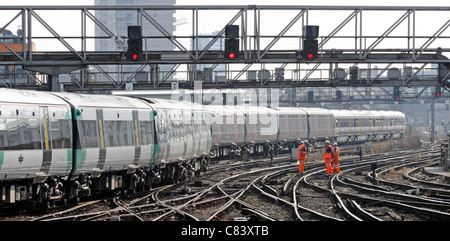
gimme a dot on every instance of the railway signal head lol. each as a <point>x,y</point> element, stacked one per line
<point>396,93</point>
<point>310,96</point>
<point>232,42</point>
<point>338,95</point>
<point>310,49</point>
<point>134,51</point>
<point>231,48</point>
<point>438,91</point>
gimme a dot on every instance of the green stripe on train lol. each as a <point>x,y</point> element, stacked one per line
<point>155,150</point>
<point>1,159</point>
<point>69,160</point>
<point>80,158</point>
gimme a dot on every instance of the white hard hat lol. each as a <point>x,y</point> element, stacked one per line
<point>306,141</point>
<point>335,144</point>
<point>327,141</point>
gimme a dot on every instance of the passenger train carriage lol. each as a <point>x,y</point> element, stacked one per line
<point>227,130</point>
<point>183,133</point>
<point>111,134</point>
<point>58,146</point>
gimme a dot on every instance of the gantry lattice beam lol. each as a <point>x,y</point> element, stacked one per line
<point>347,35</point>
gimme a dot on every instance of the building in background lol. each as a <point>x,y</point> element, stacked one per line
<point>210,72</point>
<point>14,74</point>
<point>118,21</point>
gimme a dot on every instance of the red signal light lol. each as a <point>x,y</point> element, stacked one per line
<point>135,56</point>
<point>438,95</point>
<point>310,56</point>
<point>231,56</point>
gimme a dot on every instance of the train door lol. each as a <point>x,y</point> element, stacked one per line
<point>137,147</point>
<point>46,143</point>
<point>102,147</point>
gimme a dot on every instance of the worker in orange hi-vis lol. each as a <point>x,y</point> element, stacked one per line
<point>328,156</point>
<point>336,168</point>
<point>302,151</point>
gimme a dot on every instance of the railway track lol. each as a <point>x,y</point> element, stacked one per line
<point>389,200</point>
<point>390,186</point>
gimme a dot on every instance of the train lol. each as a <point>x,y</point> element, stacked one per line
<point>58,146</point>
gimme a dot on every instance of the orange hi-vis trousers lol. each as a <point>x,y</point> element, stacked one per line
<point>328,168</point>
<point>301,167</point>
<point>336,168</point>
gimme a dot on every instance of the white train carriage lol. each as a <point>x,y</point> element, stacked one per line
<point>352,125</point>
<point>293,124</point>
<point>35,142</point>
<point>399,124</point>
<point>321,124</point>
<point>182,130</point>
<point>261,124</point>
<point>391,124</point>
<point>202,140</point>
<point>114,133</point>
<point>227,125</point>
<point>360,126</point>
<point>35,135</point>
<point>261,130</point>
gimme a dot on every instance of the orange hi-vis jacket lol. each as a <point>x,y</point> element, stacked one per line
<point>336,152</point>
<point>328,153</point>
<point>327,156</point>
<point>302,149</point>
<point>302,152</point>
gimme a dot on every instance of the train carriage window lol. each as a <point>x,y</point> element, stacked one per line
<point>56,134</point>
<point>19,134</point>
<point>13,134</point>
<point>126,127</point>
<point>145,132</point>
<point>88,133</point>
<point>61,133</point>
<point>111,132</point>
<point>118,133</point>
<point>344,122</point>
<point>30,133</point>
